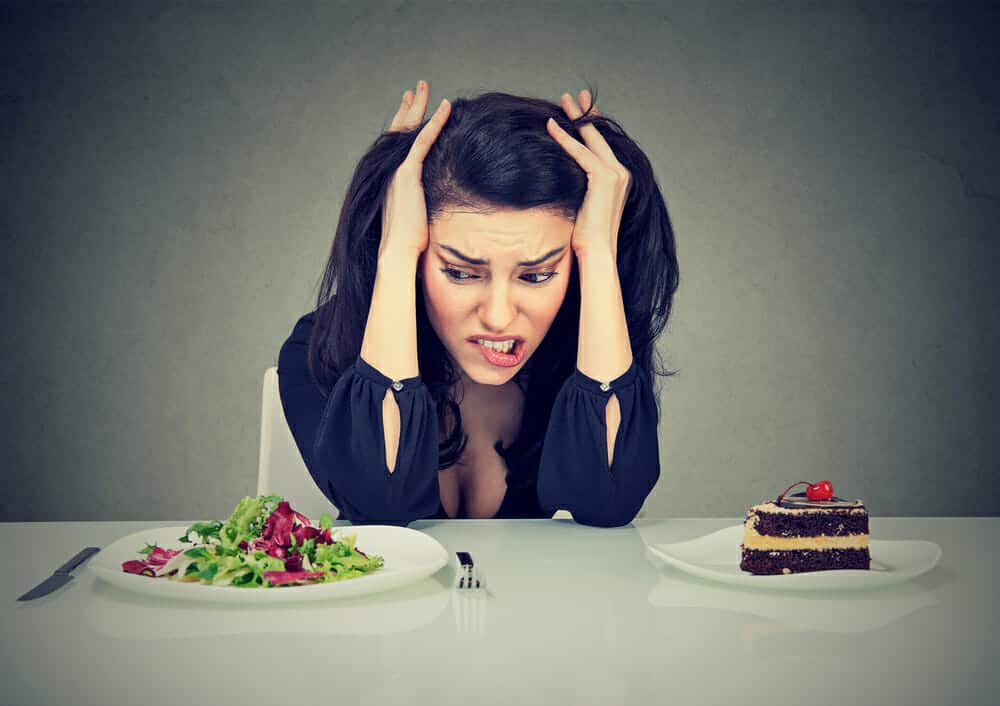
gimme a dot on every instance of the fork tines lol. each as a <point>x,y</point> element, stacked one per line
<point>469,575</point>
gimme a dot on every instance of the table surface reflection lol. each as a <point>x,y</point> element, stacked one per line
<point>575,615</point>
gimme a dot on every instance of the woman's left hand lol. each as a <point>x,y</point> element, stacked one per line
<point>608,182</point>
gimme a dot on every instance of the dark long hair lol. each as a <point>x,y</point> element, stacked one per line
<point>495,152</point>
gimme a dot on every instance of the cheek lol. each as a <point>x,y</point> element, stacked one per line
<point>443,303</point>
<point>432,289</point>
<point>543,309</point>
<point>546,307</point>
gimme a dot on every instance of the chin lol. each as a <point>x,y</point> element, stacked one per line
<point>494,377</point>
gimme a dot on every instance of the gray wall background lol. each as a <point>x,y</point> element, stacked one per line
<point>172,175</point>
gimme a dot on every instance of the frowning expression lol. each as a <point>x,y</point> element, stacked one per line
<point>492,285</point>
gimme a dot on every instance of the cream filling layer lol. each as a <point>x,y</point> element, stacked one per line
<point>753,540</point>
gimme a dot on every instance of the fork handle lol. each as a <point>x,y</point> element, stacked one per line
<point>465,559</point>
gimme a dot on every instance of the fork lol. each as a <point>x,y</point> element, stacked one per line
<point>469,604</point>
<point>469,575</point>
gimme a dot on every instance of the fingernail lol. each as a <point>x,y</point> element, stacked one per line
<point>421,85</point>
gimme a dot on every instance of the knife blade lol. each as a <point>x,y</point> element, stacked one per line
<point>60,576</point>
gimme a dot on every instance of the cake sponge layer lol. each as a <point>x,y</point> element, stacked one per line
<point>758,561</point>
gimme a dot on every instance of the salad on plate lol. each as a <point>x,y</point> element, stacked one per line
<point>263,544</point>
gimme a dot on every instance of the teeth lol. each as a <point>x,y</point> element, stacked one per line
<point>500,346</point>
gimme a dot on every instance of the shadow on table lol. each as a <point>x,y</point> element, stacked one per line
<point>817,611</point>
<point>122,614</point>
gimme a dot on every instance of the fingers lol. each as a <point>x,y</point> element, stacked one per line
<point>399,119</point>
<point>595,141</point>
<point>425,139</point>
<point>411,108</point>
<point>415,116</point>
<point>589,161</point>
<point>596,158</point>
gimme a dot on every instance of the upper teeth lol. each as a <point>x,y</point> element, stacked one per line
<point>502,346</point>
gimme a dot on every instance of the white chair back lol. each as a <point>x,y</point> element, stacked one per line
<point>281,470</point>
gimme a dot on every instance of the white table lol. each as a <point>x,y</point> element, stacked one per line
<point>578,616</point>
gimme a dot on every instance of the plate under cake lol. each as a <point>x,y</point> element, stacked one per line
<point>793,535</point>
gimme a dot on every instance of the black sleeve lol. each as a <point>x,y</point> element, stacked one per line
<point>340,435</point>
<point>573,472</point>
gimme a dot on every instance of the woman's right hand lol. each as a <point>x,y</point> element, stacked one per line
<point>404,212</point>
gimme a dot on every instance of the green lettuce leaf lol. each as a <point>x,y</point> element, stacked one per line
<point>204,530</point>
<point>248,519</point>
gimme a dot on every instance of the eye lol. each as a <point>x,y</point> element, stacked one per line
<point>458,275</point>
<point>546,275</point>
<point>534,278</point>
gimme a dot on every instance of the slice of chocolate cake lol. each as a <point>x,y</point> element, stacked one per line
<point>795,534</point>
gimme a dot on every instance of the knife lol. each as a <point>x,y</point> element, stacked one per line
<point>60,577</point>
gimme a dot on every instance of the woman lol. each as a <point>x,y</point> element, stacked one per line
<point>502,273</point>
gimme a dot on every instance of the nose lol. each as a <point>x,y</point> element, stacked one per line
<point>498,308</point>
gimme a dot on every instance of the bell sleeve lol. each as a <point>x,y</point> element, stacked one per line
<point>341,437</point>
<point>573,472</point>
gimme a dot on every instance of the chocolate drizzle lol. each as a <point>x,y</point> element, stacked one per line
<point>799,500</point>
<point>783,492</point>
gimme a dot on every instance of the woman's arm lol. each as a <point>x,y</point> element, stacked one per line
<point>600,459</point>
<point>390,341</point>
<point>340,435</point>
<point>603,351</point>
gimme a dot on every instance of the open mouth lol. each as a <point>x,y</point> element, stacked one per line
<point>501,359</point>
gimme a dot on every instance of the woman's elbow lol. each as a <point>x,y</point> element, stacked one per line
<point>619,505</point>
<point>607,516</point>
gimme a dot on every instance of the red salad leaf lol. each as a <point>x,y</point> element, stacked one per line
<point>293,562</point>
<point>135,566</point>
<point>160,556</point>
<point>280,524</point>
<point>304,532</point>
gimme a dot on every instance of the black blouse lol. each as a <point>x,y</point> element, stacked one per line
<point>340,435</point>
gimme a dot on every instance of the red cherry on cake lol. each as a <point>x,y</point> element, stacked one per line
<point>820,491</point>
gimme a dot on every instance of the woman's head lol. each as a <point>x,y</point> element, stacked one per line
<point>497,188</point>
<point>492,284</point>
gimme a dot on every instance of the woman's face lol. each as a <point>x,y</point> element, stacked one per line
<point>500,276</point>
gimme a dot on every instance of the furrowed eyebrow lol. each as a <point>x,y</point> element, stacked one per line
<point>479,261</point>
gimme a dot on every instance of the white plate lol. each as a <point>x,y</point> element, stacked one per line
<point>409,556</point>
<point>716,556</point>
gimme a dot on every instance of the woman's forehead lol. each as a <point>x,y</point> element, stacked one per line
<point>522,233</point>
